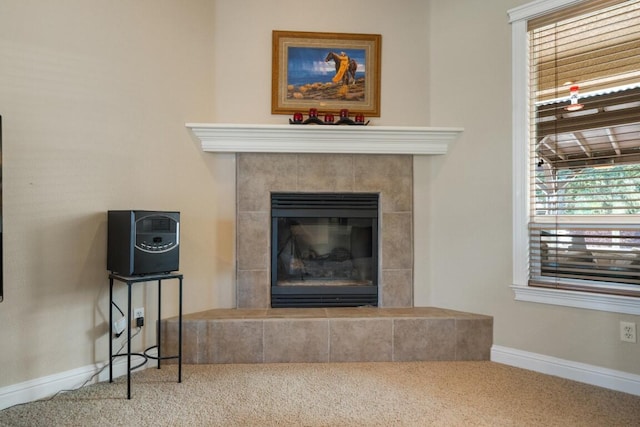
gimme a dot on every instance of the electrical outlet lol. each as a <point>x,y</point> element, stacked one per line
<point>628,331</point>
<point>138,314</point>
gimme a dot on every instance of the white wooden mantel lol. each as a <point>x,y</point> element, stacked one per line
<point>243,138</point>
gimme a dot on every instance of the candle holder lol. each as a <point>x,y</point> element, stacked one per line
<point>329,119</point>
<point>298,118</point>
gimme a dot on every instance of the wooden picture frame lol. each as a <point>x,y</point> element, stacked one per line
<point>305,74</point>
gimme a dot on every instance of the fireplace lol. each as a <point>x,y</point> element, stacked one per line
<point>324,249</point>
<point>322,158</point>
<point>260,175</point>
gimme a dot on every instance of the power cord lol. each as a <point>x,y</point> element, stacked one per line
<point>116,306</point>
<point>47,399</point>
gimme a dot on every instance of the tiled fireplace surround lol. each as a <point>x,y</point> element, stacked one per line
<point>394,331</point>
<point>258,174</point>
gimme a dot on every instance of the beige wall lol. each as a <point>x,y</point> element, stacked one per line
<point>242,52</point>
<point>470,235</point>
<point>94,96</point>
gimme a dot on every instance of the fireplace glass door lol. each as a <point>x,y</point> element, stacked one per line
<point>324,250</point>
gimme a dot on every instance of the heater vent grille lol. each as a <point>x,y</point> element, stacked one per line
<point>364,203</point>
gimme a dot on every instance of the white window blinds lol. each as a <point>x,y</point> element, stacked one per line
<point>584,178</point>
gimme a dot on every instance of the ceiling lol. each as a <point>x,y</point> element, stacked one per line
<point>605,131</point>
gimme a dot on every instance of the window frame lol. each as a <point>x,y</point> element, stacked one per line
<point>518,18</point>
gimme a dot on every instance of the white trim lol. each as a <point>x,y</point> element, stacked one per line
<point>47,386</point>
<point>618,221</point>
<point>576,371</point>
<point>577,299</point>
<point>248,138</point>
<point>520,152</point>
<point>520,165</point>
<point>537,8</point>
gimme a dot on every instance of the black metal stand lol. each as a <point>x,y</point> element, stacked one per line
<point>130,281</point>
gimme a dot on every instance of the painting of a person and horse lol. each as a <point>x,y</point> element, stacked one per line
<point>316,73</point>
<point>331,72</point>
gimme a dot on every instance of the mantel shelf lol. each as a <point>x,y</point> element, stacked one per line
<point>242,138</point>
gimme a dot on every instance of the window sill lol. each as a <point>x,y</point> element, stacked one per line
<point>591,301</point>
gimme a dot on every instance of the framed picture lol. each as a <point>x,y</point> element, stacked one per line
<point>326,71</point>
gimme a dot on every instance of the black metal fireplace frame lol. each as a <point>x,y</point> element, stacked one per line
<point>318,205</point>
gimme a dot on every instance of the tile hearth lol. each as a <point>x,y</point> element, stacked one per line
<point>363,334</point>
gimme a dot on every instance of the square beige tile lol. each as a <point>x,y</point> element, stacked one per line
<point>424,339</point>
<point>397,241</point>
<point>391,175</point>
<point>191,339</point>
<point>253,231</point>
<point>234,341</point>
<point>325,173</point>
<point>192,332</point>
<point>296,313</point>
<point>258,174</point>
<point>354,312</point>
<point>396,288</point>
<point>474,338</point>
<point>296,340</point>
<point>227,313</point>
<point>169,338</point>
<point>360,340</point>
<point>253,288</point>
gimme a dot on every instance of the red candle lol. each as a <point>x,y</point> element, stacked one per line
<point>297,117</point>
<point>313,112</point>
<point>344,113</point>
<point>359,118</point>
<point>328,118</point>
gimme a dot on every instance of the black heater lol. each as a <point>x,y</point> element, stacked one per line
<point>324,249</point>
<point>143,242</point>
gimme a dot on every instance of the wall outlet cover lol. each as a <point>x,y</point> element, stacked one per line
<point>628,332</point>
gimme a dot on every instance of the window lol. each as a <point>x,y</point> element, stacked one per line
<point>576,159</point>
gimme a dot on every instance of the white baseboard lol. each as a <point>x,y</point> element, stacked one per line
<point>584,373</point>
<point>44,387</point>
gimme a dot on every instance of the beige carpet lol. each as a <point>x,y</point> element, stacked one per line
<point>335,394</point>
